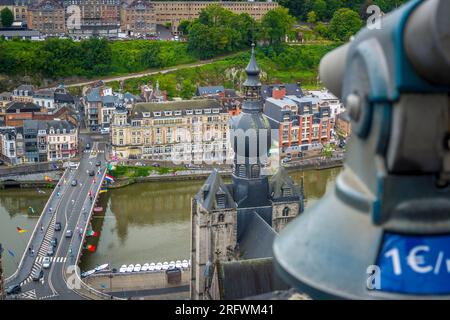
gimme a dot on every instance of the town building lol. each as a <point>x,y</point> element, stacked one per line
<point>138,18</point>
<point>23,93</point>
<point>278,91</point>
<point>11,145</point>
<point>300,123</point>
<point>234,225</point>
<point>193,129</point>
<point>5,99</point>
<point>97,18</point>
<point>325,96</point>
<point>17,112</point>
<point>343,125</point>
<point>20,10</point>
<point>44,98</point>
<point>48,17</point>
<point>173,12</point>
<point>49,140</point>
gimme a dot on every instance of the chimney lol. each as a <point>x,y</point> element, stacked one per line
<point>278,93</point>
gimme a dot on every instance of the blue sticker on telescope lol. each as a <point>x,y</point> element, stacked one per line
<point>414,265</point>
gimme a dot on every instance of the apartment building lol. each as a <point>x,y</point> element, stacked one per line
<point>48,17</point>
<point>302,123</point>
<point>11,145</point>
<point>23,93</point>
<point>138,18</point>
<point>173,12</point>
<point>186,130</point>
<point>49,140</point>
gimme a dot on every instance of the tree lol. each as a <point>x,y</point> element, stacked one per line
<point>320,8</point>
<point>312,17</point>
<point>276,25</point>
<point>183,27</point>
<point>187,90</point>
<point>344,24</point>
<point>6,17</point>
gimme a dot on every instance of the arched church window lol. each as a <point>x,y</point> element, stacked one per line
<point>221,217</point>
<point>255,171</point>
<point>286,211</point>
<point>242,171</point>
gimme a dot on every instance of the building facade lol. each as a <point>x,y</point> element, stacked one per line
<point>173,12</point>
<point>302,123</point>
<point>138,18</point>
<point>11,145</point>
<point>23,93</point>
<point>48,17</point>
<point>194,129</point>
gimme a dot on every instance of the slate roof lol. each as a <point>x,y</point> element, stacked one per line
<point>45,93</point>
<point>244,278</point>
<point>201,91</point>
<point>94,95</point>
<point>257,238</point>
<point>48,124</point>
<point>64,98</point>
<point>282,181</point>
<point>22,107</point>
<point>175,105</point>
<point>252,70</point>
<point>292,89</point>
<point>213,186</point>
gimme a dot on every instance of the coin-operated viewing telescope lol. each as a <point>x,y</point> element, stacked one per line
<point>384,231</point>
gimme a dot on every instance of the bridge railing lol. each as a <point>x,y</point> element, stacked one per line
<point>38,223</point>
<point>91,292</point>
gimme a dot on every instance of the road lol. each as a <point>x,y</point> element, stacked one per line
<point>70,208</point>
<point>150,72</point>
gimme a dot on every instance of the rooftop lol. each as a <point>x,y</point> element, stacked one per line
<point>177,105</point>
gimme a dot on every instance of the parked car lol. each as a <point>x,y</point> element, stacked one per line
<point>123,268</point>
<point>69,234</point>
<point>46,263</point>
<point>2,162</point>
<point>38,274</point>
<point>130,268</point>
<point>92,173</point>
<point>58,226</point>
<point>155,164</point>
<point>15,289</point>
<point>74,183</point>
<point>137,268</point>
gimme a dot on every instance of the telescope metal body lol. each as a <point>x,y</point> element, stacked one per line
<point>383,232</point>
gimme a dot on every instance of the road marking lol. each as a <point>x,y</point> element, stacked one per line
<point>31,294</point>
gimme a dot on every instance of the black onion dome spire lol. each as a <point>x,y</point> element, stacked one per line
<point>252,70</point>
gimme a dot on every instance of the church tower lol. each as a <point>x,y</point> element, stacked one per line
<point>251,140</point>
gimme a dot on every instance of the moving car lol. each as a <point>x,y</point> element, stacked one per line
<point>92,173</point>
<point>38,274</point>
<point>15,289</point>
<point>54,242</point>
<point>50,252</point>
<point>98,163</point>
<point>88,146</point>
<point>69,234</point>
<point>58,226</point>
<point>74,183</point>
<point>46,263</point>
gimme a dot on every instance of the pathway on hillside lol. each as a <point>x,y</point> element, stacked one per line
<point>151,72</point>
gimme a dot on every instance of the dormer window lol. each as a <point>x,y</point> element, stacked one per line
<point>198,111</point>
<point>167,113</point>
<point>157,114</point>
<point>216,110</point>
<point>207,111</point>
<point>177,113</point>
<point>189,112</point>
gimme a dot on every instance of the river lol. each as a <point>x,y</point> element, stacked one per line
<point>148,222</point>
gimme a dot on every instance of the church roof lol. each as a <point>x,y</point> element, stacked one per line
<point>256,240</point>
<point>211,189</point>
<point>282,187</point>
<point>246,278</point>
<point>252,71</point>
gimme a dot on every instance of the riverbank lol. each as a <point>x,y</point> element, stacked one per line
<point>186,175</point>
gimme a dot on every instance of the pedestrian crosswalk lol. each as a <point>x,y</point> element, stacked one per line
<point>92,151</point>
<point>48,297</point>
<point>52,259</point>
<point>31,294</point>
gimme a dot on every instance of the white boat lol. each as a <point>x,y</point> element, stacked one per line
<point>123,268</point>
<point>172,264</point>
<point>158,266</point>
<point>185,264</point>
<point>165,265</point>
<point>137,268</point>
<point>130,268</point>
<point>102,267</point>
<point>178,264</point>
<point>151,267</point>
<point>145,267</point>
<point>87,273</point>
